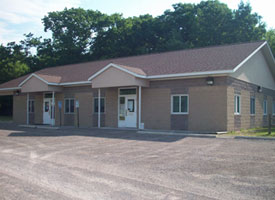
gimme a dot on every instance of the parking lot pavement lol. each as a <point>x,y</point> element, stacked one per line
<point>115,164</point>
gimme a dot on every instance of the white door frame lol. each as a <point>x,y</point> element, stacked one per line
<point>134,96</point>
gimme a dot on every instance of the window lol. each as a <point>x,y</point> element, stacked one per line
<point>102,104</point>
<point>131,105</point>
<point>48,95</point>
<point>31,106</point>
<point>273,108</point>
<point>179,104</point>
<point>237,104</point>
<point>127,91</point>
<point>252,105</point>
<point>69,106</point>
<point>265,107</point>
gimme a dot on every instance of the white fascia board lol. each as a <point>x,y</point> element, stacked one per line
<point>248,57</point>
<point>41,79</point>
<point>115,66</point>
<point>160,76</point>
<point>208,73</point>
<point>271,54</point>
<point>14,88</point>
<point>76,83</point>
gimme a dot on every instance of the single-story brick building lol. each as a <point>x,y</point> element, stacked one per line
<point>219,88</point>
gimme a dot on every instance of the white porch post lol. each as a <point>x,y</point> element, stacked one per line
<point>98,103</point>
<point>28,98</point>
<point>139,107</point>
<point>53,109</point>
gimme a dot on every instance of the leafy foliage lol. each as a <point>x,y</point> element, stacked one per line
<point>80,35</point>
<point>270,37</point>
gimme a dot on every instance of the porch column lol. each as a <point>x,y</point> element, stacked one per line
<point>139,107</point>
<point>53,109</point>
<point>98,103</point>
<point>28,98</point>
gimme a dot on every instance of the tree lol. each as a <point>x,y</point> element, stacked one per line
<point>270,37</point>
<point>247,26</point>
<point>12,62</point>
<point>73,31</point>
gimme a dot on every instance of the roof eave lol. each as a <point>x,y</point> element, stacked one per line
<point>10,89</point>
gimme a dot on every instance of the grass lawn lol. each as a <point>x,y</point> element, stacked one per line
<point>5,118</point>
<point>256,132</point>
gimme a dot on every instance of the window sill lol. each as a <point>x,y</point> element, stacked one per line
<point>69,113</point>
<point>237,114</point>
<point>179,113</point>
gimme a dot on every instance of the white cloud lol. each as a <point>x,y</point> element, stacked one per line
<point>7,35</point>
<point>15,13</point>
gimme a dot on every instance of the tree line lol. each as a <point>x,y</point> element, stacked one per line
<point>79,35</point>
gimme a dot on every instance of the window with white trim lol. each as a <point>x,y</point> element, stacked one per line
<point>179,104</point>
<point>265,107</point>
<point>237,104</point>
<point>31,106</point>
<point>102,105</point>
<point>273,107</point>
<point>69,105</point>
<point>252,105</point>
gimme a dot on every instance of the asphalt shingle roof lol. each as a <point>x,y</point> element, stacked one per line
<point>225,57</point>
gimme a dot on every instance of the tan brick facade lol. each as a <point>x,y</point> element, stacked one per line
<point>211,108</point>
<point>155,108</point>
<point>111,103</point>
<point>245,120</point>
<point>20,109</point>
<point>207,108</point>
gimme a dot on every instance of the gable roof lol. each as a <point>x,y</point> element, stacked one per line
<point>207,61</point>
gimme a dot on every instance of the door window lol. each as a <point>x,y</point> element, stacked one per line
<point>131,105</point>
<point>47,107</point>
<point>121,108</point>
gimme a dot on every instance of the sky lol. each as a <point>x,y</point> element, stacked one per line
<point>18,17</point>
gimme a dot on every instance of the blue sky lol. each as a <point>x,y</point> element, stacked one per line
<point>23,16</point>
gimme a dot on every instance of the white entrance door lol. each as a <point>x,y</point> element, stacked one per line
<point>47,111</point>
<point>127,111</point>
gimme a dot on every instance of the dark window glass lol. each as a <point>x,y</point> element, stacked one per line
<point>127,91</point>
<point>31,106</point>
<point>237,108</point>
<point>102,105</point>
<point>48,95</point>
<point>265,107</point>
<point>67,106</point>
<point>176,104</point>
<point>252,106</point>
<point>184,104</point>
<point>72,106</point>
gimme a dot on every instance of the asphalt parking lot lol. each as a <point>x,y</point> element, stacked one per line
<point>114,164</point>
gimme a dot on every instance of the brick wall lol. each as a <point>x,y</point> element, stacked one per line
<point>247,90</point>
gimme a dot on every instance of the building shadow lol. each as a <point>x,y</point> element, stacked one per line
<point>97,133</point>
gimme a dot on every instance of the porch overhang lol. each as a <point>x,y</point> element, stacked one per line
<point>8,91</point>
<point>113,76</point>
